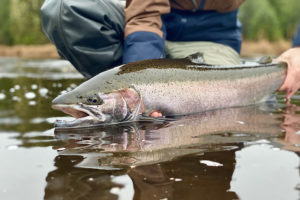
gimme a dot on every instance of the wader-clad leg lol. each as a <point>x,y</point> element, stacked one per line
<point>88,33</point>
<point>213,53</point>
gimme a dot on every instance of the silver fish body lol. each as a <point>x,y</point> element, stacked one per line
<point>171,86</point>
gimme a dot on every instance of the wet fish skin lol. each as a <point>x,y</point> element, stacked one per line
<point>177,87</point>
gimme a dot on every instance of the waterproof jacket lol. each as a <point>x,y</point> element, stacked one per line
<point>149,22</point>
<point>296,41</point>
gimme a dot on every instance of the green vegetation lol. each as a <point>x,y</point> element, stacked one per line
<point>20,22</point>
<point>267,19</point>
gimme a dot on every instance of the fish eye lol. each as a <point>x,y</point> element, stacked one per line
<point>94,100</point>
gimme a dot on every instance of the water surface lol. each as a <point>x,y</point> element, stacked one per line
<point>235,153</point>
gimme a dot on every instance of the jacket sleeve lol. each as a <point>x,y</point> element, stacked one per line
<point>296,41</point>
<point>144,38</point>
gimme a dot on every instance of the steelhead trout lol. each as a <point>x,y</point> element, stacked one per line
<point>170,86</point>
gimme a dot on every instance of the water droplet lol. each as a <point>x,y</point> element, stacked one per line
<point>15,98</point>
<point>177,179</point>
<point>73,85</point>
<point>63,92</point>
<point>171,178</point>
<point>43,92</point>
<point>2,96</point>
<point>17,87</point>
<point>211,163</point>
<point>91,179</point>
<point>32,103</point>
<point>34,86</point>
<point>240,122</point>
<point>37,120</point>
<point>30,95</point>
<point>12,90</point>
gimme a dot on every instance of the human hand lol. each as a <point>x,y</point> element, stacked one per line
<point>292,81</point>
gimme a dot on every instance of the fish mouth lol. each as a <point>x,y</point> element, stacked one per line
<point>74,110</point>
<point>85,115</point>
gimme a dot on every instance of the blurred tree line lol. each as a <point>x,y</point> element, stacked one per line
<point>270,19</point>
<point>20,22</point>
<point>262,19</point>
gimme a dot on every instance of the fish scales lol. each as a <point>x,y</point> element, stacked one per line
<point>182,91</point>
<point>191,96</point>
<point>179,86</point>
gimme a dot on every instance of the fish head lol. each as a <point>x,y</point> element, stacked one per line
<point>93,107</point>
<point>78,97</point>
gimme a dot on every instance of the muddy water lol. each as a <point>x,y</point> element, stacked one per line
<point>236,153</point>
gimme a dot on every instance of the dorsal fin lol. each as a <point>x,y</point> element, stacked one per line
<point>265,60</point>
<point>197,58</point>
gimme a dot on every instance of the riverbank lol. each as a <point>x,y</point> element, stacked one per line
<point>249,49</point>
<point>44,51</point>
<point>264,47</point>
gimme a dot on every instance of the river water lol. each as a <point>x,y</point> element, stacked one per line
<point>235,153</point>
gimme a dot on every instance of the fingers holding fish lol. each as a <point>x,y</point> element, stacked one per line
<point>292,81</point>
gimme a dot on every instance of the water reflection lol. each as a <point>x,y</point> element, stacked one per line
<point>181,178</point>
<point>247,153</point>
<point>146,143</point>
<point>163,159</point>
<point>291,125</point>
<point>27,88</point>
<point>273,174</point>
